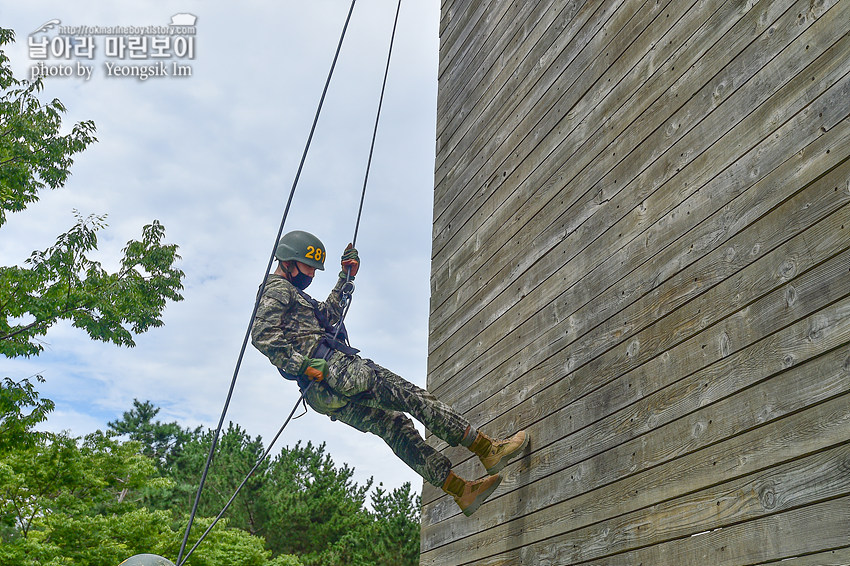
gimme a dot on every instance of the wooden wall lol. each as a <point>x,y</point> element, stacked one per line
<point>641,255</point>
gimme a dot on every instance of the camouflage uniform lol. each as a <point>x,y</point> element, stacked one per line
<point>357,391</point>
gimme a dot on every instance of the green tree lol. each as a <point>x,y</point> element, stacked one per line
<point>58,475</point>
<point>317,508</point>
<point>20,410</point>
<point>300,502</point>
<point>62,282</point>
<point>395,531</point>
<point>67,501</point>
<point>236,454</point>
<point>163,442</point>
<point>33,154</point>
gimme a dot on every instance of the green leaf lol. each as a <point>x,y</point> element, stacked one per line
<point>63,282</point>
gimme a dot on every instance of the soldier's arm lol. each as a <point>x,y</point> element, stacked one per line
<point>350,264</point>
<point>268,336</point>
<point>332,306</point>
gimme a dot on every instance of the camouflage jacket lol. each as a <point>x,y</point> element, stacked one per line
<point>286,329</point>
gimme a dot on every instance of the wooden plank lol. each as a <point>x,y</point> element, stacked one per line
<point>808,529</point>
<point>583,71</point>
<point>570,222</point>
<point>461,21</point>
<point>718,58</point>
<point>678,407</point>
<point>477,51</point>
<point>447,15</point>
<point>652,341</point>
<point>609,32</point>
<point>682,288</point>
<point>830,368</point>
<point>577,88</point>
<point>837,557</point>
<point>591,39</point>
<point>464,41</point>
<point>809,480</point>
<point>576,56</point>
<point>676,276</point>
<point>580,365</point>
<point>574,27</point>
<point>570,457</point>
<point>539,300</point>
<point>520,27</point>
<point>800,130</point>
<point>691,346</point>
<point>496,116</point>
<point>710,339</point>
<point>546,218</point>
<point>560,412</point>
<point>752,431</point>
<point>595,282</point>
<point>533,46</point>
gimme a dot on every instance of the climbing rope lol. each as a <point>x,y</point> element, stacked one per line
<point>346,293</point>
<point>262,288</point>
<point>377,119</point>
<point>348,286</point>
<point>247,477</point>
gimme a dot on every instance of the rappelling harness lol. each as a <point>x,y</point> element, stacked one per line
<point>335,338</point>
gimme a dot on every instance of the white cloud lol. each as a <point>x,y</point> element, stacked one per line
<point>213,157</point>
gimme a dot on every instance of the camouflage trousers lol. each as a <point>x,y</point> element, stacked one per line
<point>373,399</point>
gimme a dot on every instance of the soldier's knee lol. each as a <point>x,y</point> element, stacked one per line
<point>323,400</point>
<point>402,422</point>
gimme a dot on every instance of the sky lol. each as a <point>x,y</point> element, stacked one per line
<point>212,155</point>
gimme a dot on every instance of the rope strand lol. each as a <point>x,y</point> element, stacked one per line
<point>251,473</point>
<point>262,288</point>
<point>377,119</point>
<point>180,559</point>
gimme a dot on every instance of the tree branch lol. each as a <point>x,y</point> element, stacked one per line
<point>37,322</point>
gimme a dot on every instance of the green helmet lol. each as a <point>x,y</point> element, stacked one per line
<point>146,560</point>
<point>303,247</point>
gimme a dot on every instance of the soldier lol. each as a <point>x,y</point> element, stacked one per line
<point>296,333</point>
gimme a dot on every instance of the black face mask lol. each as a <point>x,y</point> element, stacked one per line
<point>301,280</point>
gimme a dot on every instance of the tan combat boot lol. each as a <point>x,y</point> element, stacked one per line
<point>469,495</point>
<point>495,454</point>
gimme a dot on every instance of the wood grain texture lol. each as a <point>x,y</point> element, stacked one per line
<point>745,257</point>
<point>641,255</point>
<point>589,452</point>
<point>563,235</point>
<point>704,341</point>
<point>817,477</point>
<point>598,462</point>
<point>837,557</point>
<point>699,64</point>
<point>579,231</point>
